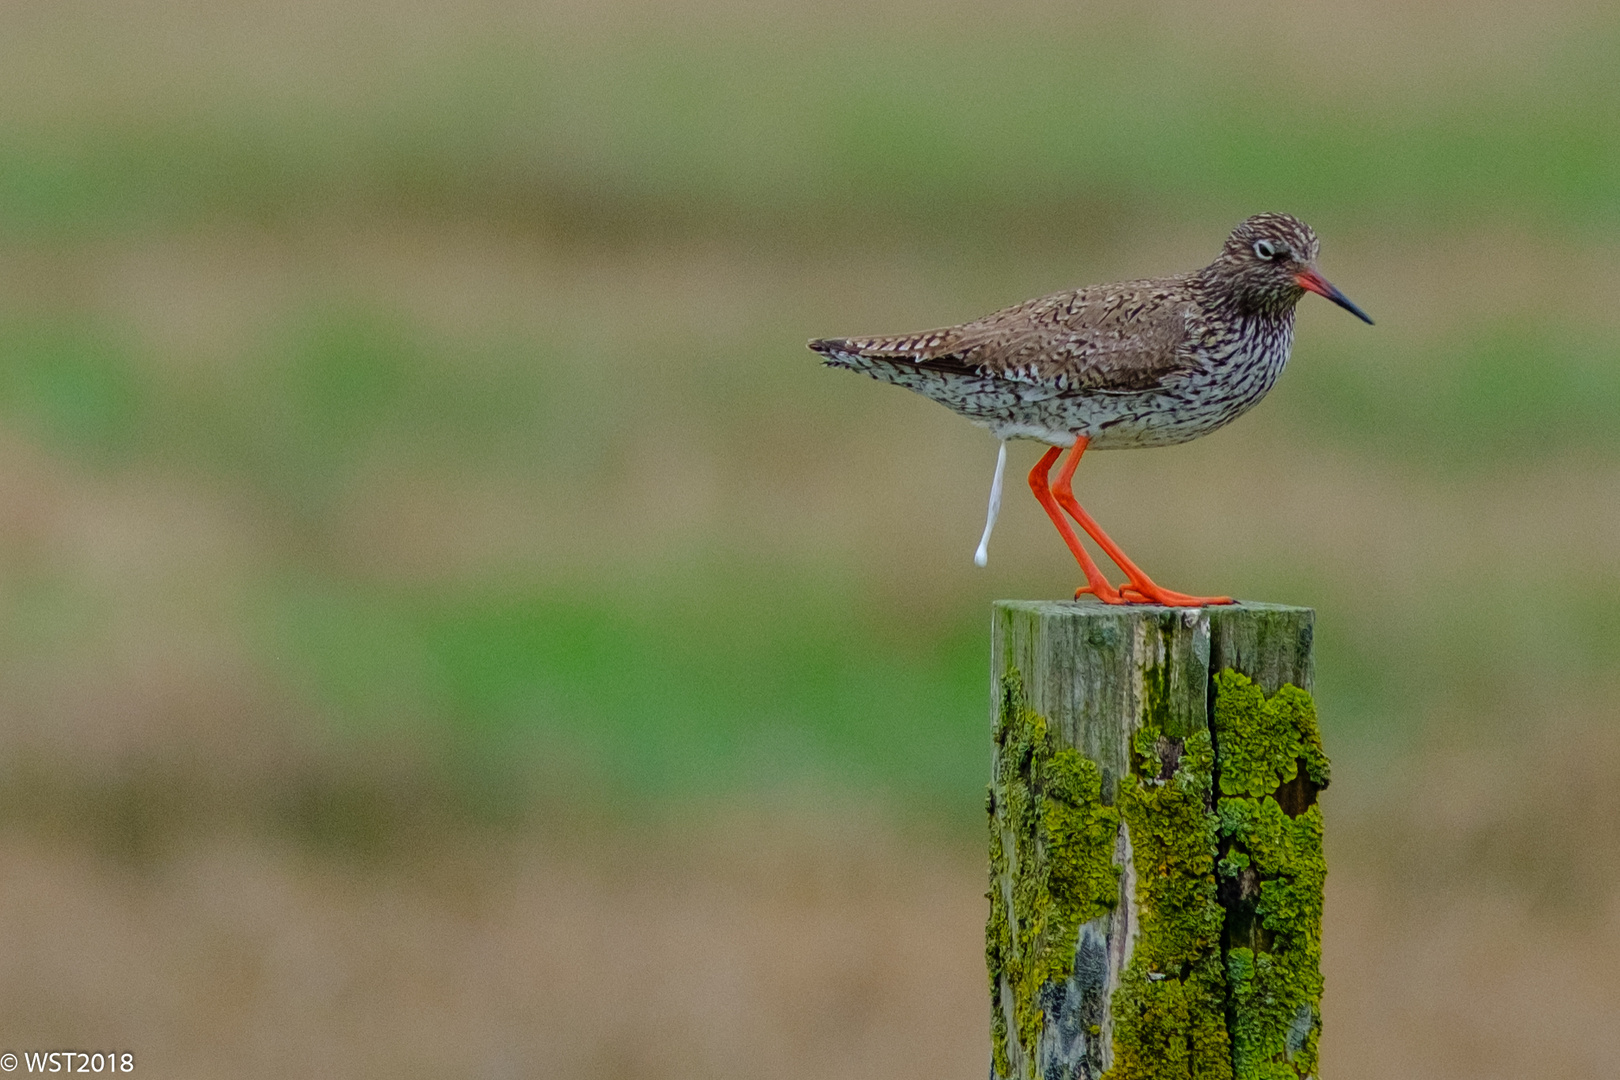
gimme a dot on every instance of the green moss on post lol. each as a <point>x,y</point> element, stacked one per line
<point>1265,744</point>
<point>1143,742</point>
<point>1272,875</point>
<point>1170,1008</point>
<point>1051,868</point>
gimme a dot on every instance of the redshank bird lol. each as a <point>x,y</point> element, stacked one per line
<point>1135,364</point>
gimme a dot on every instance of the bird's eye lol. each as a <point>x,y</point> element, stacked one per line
<point>1265,249</point>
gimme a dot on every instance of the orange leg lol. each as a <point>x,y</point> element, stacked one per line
<point>1140,589</point>
<point>1095,582</point>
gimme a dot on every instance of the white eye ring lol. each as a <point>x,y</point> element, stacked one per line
<point>1265,249</point>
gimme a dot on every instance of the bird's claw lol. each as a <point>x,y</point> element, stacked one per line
<point>1146,592</point>
<point>1106,593</point>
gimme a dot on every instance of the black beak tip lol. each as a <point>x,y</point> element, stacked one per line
<point>1345,302</point>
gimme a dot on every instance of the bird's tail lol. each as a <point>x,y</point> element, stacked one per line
<point>838,352</point>
<point>907,361</point>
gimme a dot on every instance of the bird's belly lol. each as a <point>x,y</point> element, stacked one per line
<point>1160,420</point>
<point>1205,400</point>
<point>1112,422</point>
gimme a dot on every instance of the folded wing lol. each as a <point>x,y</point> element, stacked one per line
<point>1109,339</point>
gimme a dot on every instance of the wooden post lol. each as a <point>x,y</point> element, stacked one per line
<point>1156,862</point>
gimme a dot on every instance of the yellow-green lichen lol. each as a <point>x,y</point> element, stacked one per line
<point>1223,980</point>
<point>1051,867</point>
<point>1170,1009</point>
<point>1272,871</point>
<point>1264,743</point>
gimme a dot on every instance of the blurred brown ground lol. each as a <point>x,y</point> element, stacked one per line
<point>790,943</point>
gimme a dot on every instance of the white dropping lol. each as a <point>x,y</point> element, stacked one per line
<point>982,556</point>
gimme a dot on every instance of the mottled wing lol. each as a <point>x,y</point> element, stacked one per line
<point>1109,338</point>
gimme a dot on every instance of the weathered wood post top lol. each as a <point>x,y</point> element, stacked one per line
<point>1155,843</point>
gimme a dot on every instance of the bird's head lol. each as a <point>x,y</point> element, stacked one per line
<point>1269,262</point>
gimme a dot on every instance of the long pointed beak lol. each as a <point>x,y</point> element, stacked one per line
<point>1316,283</point>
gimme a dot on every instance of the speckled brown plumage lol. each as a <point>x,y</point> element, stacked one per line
<point>1138,363</point>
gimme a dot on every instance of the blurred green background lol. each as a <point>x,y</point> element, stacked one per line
<point>442,600</point>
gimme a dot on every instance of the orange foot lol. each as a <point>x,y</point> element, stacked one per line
<point>1104,592</point>
<point>1149,593</point>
